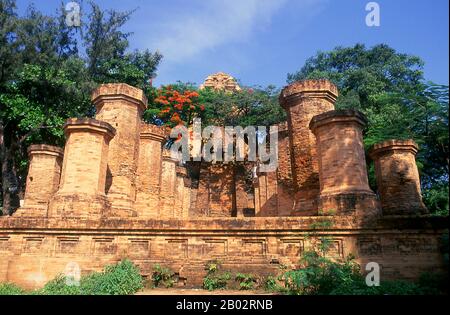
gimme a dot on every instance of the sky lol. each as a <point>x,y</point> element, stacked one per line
<point>260,41</point>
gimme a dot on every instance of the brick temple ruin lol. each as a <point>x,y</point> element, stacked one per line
<point>115,192</point>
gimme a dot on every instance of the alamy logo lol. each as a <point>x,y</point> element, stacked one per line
<point>373,276</point>
<point>373,17</point>
<point>72,273</point>
<point>226,144</point>
<point>73,14</point>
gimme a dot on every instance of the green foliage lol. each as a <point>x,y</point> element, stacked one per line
<point>364,72</point>
<point>436,199</point>
<point>119,279</point>
<point>319,275</point>
<point>215,278</point>
<point>214,282</point>
<point>249,107</point>
<point>58,286</point>
<point>271,284</point>
<point>246,281</point>
<point>10,289</point>
<point>163,276</point>
<point>122,278</point>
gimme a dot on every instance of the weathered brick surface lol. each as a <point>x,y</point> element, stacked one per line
<point>303,100</point>
<point>343,178</point>
<point>168,186</point>
<point>35,250</point>
<point>275,191</point>
<point>397,177</point>
<point>149,170</point>
<point>122,106</point>
<point>184,214</point>
<point>82,187</point>
<point>216,190</point>
<point>43,178</point>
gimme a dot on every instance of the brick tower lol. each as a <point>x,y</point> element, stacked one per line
<point>121,106</point>
<point>302,101</point>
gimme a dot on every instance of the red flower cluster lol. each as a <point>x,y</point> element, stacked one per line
<point>178,107</point>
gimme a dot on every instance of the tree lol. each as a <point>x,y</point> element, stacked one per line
<point>389,88</point>
<point>106,47</point>
<point>253,106</point>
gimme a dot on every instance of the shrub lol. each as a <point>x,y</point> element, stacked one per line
<point>164,276</point>
<point>119,279</point>
<point>271,285</point>
<point>58,286</point>
<point>319,275</point>
<point>215,279</point>
<point>214,282</point>
<point>10,289</point>
<point>246,281</point>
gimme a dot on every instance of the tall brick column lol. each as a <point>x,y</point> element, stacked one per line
<point>303,100</point>
<point>122,106</point>
<point>179,191</point>
<point>187,197</point>
<point>397,177</point>
<point>266,204</point>
<point>149,170</point>
<point>344,186</point>
<point>43,177</point>
<point>168,186</point>
<point>82,188</point>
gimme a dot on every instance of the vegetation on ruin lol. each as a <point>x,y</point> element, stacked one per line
<point>247,281</point>
<point>10,289</point>
<point>215,278</point>
<point>122,278</point>
<point>163,276</point>
<point>319,273</point>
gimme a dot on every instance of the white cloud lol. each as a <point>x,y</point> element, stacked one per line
<point>214,23</point>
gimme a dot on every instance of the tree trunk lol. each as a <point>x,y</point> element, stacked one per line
<point>10,187</point>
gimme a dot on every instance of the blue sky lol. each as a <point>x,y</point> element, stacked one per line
<point>260,41</point>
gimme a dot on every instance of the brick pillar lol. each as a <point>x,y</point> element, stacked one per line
<point>344,186</point>
<point>186,197</point>
<point>82,188</point>
<point>303,100</point>
<point>285,184</point>
<point>122,106</point>
<point>43,177</point>
<point>267,191</point>
<point>168,186</point>
<point>179,191</point>
<point>149,170</point>
<point>397,177</point>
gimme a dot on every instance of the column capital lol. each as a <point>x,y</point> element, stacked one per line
<point>119,91</point>
<point>308,88</point>
<point>387,146</point>
<point>152,132</point>
<point>338,116</point>
<point>45,150</point>
<point>89,125</point>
